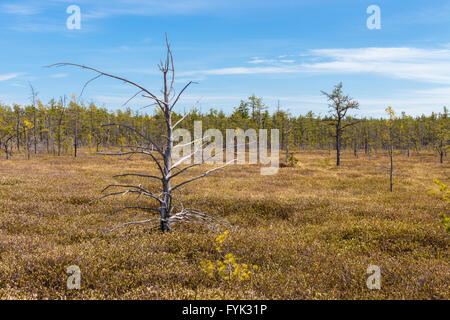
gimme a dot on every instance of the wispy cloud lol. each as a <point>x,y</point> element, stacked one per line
<point>101,9</point>
<point>257,60</point>
<point>19,9</point>
<point>240,70</point>
<point>436,91</point>
<point>106,9</point>
<point>425,65</point>
<point>42,27</point>
<point>9,76</point>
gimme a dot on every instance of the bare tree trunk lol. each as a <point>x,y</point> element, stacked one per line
<point>47,137</point>
<point>391,171</point>
<point>60,119</point>
<point>6,149</point>
<point>59,135</point>
<point>287,152</point>
<point>34,130</point>
<point>75,140</point>
<point>33,100</point>
<point>28,142</point>
<point>366,142</point>
<point>166,204</point>
<point>409,147</point>
<point>338,144</point>
<point>17,131</point>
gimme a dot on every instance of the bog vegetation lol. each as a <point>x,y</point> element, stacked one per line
<point>312,230</point>
<point>351,192</point>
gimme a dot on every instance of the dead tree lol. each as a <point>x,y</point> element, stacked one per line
<point>5,144</point>
<point>11,135</point>
<point>340,104</point>
<point>60,112</point>
<point>161,154</point>
<point>389,137</point>
<point>33,107</point>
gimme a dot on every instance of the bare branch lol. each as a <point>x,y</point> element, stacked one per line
<point>197,217</point>
<point>189,143</point>
<point>149,105</point>
<point>151,95</point>
<point>121,153</point>
<point>170,56</point>
<point>89,81</point>
<point>115,194</point>
<point>202,175</point>
<point>181,120</point>
<point>142,190</point>
<point>188,113</point>
<point>137,175</point>
<point>134,96</point>
<point>181,160</point>
<point>181,92</point>
<point>138,133</point>
<point>180,171</point>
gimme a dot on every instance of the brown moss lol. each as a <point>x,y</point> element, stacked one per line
<point>312,229</point>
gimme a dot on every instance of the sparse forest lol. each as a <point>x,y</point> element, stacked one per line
<point>63,126</point>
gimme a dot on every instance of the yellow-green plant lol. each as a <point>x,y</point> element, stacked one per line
<point>445,192</point>
<point>292,160</point>
<point>122,142</point>
<point>226,267</point>
<point>28,124</point>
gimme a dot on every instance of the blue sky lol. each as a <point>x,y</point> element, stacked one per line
<point>279,50</point>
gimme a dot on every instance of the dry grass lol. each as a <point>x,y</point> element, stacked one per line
<point>313,230</point>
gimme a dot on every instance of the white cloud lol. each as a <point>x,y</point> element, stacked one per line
<point>240,70</point>
<point>19,9</point>
<point>436,91</point>
<point>9,76</point>
<point>400,54</point>
<point>257,60</point>
<point>424,65</point>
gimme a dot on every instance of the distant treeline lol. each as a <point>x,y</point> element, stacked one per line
<point>61,128</point>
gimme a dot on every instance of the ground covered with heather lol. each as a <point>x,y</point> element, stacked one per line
<point>312,230</point>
